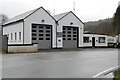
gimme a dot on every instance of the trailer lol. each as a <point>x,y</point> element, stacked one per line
<point>95,40</point>
<point>112,41</point>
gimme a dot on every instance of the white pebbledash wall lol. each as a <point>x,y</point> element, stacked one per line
<point>66,22</point>
<point>90,40</point>
<point>101,44</point>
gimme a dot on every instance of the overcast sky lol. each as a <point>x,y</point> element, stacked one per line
<point>86,10</point>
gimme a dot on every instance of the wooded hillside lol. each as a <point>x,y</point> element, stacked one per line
<point>101,27</point>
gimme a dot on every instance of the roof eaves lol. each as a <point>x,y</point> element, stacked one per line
<point>12,22</point>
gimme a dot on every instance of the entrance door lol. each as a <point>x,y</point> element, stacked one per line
<point>93,42</point>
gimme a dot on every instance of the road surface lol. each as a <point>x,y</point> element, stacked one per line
<point>83,63</point>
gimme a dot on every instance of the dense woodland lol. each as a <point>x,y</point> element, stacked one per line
<point>101,27</point>
<point>109,26</point>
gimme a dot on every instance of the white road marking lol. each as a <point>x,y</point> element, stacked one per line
<point>105,72</point>
<point>58,60</point>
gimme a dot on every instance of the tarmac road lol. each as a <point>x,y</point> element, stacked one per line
<point>83,63</point>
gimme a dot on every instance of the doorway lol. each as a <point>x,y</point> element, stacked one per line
<point>93,41</point>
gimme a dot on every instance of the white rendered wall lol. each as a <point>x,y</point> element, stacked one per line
<point>97,40</point>
<point>36,18</point>
<point>66,22</point>
<point>14,28</point>
<point>90,40</point>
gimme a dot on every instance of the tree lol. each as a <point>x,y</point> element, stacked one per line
<point>116,20</point>
<point>3,18</point>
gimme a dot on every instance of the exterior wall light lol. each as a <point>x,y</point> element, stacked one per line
<point>71,23</point>
<point>43,21</point>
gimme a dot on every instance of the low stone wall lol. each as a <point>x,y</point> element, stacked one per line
<point>23,49</point>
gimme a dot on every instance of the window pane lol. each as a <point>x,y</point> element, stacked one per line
<point>15,36</point>
<point>101,39</point>
<point>47,38</point>
<point>34,38</point>
<point>86,39</point>
<point>40,38</point>
<point>40,34</point>
<point>33,30</point>
<point>19,35</point>
<point>11,36</point>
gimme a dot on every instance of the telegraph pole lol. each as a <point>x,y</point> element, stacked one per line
<point>74,6</point>
<point>54,7</point>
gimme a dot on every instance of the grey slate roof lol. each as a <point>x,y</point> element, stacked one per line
<point>19,17</point>
<point>59,16</point>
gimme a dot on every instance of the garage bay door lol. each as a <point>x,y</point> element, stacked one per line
<point>70,37</point>
<point>42,35</point>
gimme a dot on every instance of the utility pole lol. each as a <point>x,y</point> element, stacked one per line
<point>54,7</point>
<point>74,6</point>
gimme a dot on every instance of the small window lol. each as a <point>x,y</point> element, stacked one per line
<point>15,36</point>
<point>47,27</point>
<point>101,39</point>
<point>40,27</point>
<point>74,35</point>
<point>64,39</point>
<point>74,32</point>
<point>33,30</point>
<point>34,34</point>
<point>47,31</point>
<point>69,39</point>
<point>69,35</point>
<point>34,38</point>
<point>74,29</point>
<point>69,28</point>
<point>86,39</point>
<point>19,35</point>
<point>63,31</point>
<point>47,34</point>
<point>40,34</point>
<point>11,36</point>
<point>47,38</point>
<point>63,35</point>
<point>34,26</point>
<point>68,32</point>
<point>40,38</point>
<point>74,39</point>
<point>40,30</point>
<point>63,28</point>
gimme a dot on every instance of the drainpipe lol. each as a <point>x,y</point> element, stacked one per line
<point>56,33</point>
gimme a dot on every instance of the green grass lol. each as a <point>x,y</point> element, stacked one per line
<point>117,75</point>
